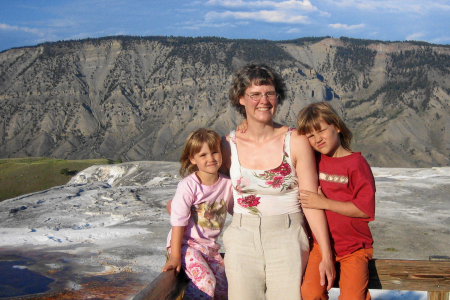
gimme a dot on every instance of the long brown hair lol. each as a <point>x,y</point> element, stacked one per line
<point>310,116</point>
<point>193,145</point>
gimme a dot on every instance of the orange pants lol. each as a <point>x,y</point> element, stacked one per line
<point>354,276</point>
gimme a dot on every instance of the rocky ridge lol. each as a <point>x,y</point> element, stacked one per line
<point>137,98</point>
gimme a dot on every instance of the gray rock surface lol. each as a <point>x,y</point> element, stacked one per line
<point>104,233</point>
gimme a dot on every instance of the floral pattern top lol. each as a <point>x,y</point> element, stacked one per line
<point>265,192</point>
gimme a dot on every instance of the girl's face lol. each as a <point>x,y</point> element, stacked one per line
<point>262,109</point>
<point>326,140</point>
<point>207,161</point>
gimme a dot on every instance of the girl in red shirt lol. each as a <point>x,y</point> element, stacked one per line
<point>347,194</point>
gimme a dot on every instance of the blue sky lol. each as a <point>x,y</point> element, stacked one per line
<point>30,22</point>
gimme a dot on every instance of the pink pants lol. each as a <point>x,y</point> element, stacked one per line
<point>205,267</point>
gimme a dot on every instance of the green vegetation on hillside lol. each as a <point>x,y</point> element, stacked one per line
<point>361,42</point>
<point>408,72</point>
<point>305,40</point>
<point>194,49</point>
<point>191,50</point>
<point>420,58</point>
<point>351,61</point>
<point>19,176</point>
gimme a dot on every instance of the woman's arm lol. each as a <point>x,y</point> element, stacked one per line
<point>305,165</point>
<point>174,261</point>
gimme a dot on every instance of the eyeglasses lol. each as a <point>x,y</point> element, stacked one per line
<point>258,96</point>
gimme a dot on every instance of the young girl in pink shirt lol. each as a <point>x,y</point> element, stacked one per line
<point>197,215</point>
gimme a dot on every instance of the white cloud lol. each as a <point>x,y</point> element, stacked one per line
<point>293,30</point>
<point>213,25</point>
<point>442,6</point>
<point>201,25</point>
<point>346,27</point>
<point>415,6</point>
<point>415,36</point>
<point>441,40</point>
<point>267,11</point>
<point>7,27</point>
<point>263,16</point>
<point>191,27</point>
<point>61,23</point>
<point>284,5</point>
<point>324,14</point>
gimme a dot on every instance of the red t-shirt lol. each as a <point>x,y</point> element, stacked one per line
<point>348,179</point>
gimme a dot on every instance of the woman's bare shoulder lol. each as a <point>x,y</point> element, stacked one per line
<point>299,141</point>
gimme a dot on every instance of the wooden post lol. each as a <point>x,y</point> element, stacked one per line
<point>440,295</point>
<point>167,286</point>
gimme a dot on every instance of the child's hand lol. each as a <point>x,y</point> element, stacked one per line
<point>313,200</point>
<point>243,126</point>
<point>327,273</point>
<point>172,263</point>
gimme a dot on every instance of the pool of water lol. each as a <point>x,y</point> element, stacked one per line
<point>16,280</point>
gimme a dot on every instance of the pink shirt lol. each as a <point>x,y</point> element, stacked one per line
<point>202,209</point>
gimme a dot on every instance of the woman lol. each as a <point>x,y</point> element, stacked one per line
<point>266,243</point>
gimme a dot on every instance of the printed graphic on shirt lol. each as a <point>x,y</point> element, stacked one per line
<point>249,202</point>
<point>210,216</point>
<point>278,177</point>
<point>333,178</point>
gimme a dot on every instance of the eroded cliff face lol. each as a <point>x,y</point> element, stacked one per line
<point>138,98</point>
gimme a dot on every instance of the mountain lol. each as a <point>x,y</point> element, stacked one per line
<point>137,98</point>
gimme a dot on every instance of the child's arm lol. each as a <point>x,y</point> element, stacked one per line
<point>243,126</point>
<point>319,201</point>
<point>174,261</point>
<point>179,209</point>
<point>226,155</point>
<point>169,206</point>
<point>362,201</point>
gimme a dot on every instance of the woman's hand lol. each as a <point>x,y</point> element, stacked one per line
<point>172,263</point>
<point>327,273</point>
<point>313,200</point>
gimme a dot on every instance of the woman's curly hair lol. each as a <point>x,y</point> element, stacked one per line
<point>258,75</point>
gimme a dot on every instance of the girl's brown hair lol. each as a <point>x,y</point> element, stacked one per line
<point>193,145</point>
<point>258,75</point>
<point>310,116</point>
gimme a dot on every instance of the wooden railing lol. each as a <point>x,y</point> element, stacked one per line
<point>431,275</point>
<point>167,286</point>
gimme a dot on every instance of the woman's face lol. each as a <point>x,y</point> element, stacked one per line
<point>262,110</point>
